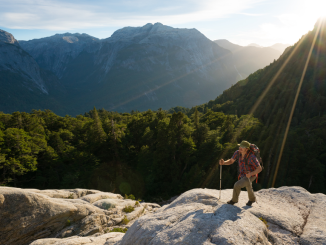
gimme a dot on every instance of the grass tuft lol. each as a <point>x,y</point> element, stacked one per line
<point>125,220</point>
<point>128,209</point>
<point>131,196</point>
<point>71,196</point>
<point>264,221</point>
<point>123,230</point>
<point>68,222</point>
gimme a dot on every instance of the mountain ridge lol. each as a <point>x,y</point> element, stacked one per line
<point>138,68</point>
<point>138,63</point>
<point>248,59</point>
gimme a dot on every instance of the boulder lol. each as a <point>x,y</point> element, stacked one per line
<point>314,231</point>
<point>68,193</point>
<point>198,216</point>
<point>27,215</point>
<point>101,195</point>
<point>107,239</point>
<point>113,203</point>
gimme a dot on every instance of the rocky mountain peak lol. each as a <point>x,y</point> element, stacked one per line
<point>67,37</point>
<point>6,37</point>
<point>71,39</point>
<point>76,37</point>
<point>148,31</point>
<point>254,45</point>
<point>63,47</point>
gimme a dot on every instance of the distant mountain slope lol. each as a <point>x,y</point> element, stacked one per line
<point>254,45</point>
<point>137,68</point>
<point>245,92</point>
<point>54,53</point>
<point>280,46</point>
<point>228,45</point>
<point>24,85</point>
<point>249,59</point>
<point>14,59</point>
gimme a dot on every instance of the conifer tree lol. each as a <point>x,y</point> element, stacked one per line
<point>96,133</point>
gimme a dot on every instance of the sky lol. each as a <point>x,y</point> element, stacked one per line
<point>264,22</point>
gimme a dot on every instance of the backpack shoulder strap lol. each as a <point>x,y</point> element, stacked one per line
<point>247,156</point>
<point>237,157</point>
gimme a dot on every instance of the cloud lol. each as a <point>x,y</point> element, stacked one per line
<point>249,14</point>
<point>64,15</point>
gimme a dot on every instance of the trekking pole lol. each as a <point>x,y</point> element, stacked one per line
<point>220,180</point>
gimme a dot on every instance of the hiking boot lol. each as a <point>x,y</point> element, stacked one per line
<point>231,202</point>
<point>249,203</point>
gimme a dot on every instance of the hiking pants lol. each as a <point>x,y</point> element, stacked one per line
<point>244,182</point>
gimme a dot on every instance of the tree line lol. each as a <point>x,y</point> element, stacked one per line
<point>153,154</point>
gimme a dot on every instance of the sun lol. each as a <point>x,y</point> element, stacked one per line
<point>312,10</point>
<point>299,18</point>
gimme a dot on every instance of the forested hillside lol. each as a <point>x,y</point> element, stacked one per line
<point>150,154</point>
<point>304,158</point>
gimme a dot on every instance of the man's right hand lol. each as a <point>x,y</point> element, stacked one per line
<point>221,162</point>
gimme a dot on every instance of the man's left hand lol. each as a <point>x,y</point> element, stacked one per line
<point>248,175</point>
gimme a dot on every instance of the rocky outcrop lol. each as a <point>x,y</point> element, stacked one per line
<point>6,37</point>
<point>106,239</point>
<point>286,215</point>
<point>293,215</point>
<point>28,214</point>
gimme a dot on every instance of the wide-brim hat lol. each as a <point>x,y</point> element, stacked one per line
<point>244,144</point>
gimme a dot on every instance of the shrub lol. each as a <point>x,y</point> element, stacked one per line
<point>117,229</point>
<point>264,221</point>
<point>137,204</point>
<point>131,196</point>
<point>71,196</point>
<point>125,220</point>
<point>128,209</point>
<point>68,222</point>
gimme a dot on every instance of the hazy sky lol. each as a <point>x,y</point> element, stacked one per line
<point>264,22</point>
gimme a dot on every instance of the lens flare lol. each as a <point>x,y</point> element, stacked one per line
<point>295,101</point>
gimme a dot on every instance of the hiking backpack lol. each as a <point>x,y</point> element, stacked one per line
<point>253,149</point>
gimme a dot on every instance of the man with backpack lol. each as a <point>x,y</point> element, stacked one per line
<point>249,167</point>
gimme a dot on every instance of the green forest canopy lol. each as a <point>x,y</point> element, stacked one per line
<point>153,155</point>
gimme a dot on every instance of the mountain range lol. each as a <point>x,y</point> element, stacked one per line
<point>253,57</point>
<point>137,68</point>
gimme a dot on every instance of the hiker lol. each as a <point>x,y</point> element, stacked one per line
<point>249,167</point>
